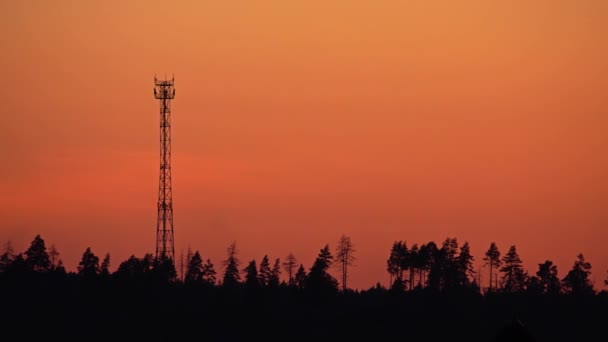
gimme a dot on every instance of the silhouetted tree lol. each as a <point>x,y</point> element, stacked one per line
<point>577,280</point>
<point>53,256</point>
<point>398,260</point>
<point>345,257</point>
<point>423,261</point>
<point>89,264</point>
<point>403,255</point>
<point>443,266</point>
<point>265,273</point>
<point>56,263</point>
<point>251,275</point>
<point>182,265</point>
<point>514,277</point>
<point>606,281</point>
<point>436,278</point>
<point>231,265</point>
<point>534,286</point>
<point>433,258</point>
<point>104,269</point>
<point>450,247</point>
<point>492,259</point>
<point>194,273</point>
<point>7,257</point>
<point>464,263</point>
<point>290,265</point>
<point>412,261</point>
<point>548,280</point>
<point>397,286</point>
<point>37,258</point>
<point>392,264</point>
<point>129,269</point>
<point>147,262</point>
<point>135,268</point>
<point>300,277</point>
<point>208,274</point>
<point>17,266</point>
<point>275,274</point>
<point>163,270</point>
<point>446,263</point>
<point>185,262</point>
<point>318,279</point>
<point>60,269</point>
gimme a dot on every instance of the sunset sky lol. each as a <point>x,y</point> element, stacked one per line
<point>295,122</point>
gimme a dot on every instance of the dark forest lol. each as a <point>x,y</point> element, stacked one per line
<point>434,296</point>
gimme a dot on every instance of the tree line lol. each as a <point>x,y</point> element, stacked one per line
<point>450,267</point>
<point>419,267</point>
<point>434,294</point>
<point>39,260</point>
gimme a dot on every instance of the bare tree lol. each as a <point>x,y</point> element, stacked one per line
<point>53,256</point>
<point>181,265</point>
<point>344,257</point>
<point>290,265</point>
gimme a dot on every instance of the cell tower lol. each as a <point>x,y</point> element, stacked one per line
<point>165,249</point>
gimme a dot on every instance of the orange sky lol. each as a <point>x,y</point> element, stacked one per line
<point>297,121</point>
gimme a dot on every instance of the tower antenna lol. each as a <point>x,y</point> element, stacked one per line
<point>165,248</point>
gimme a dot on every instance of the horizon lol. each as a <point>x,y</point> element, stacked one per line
<point>296,123</point>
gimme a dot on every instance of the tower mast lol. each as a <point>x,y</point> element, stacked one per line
<point>165,249</point>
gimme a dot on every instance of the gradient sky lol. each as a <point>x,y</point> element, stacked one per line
<point>297,121</point>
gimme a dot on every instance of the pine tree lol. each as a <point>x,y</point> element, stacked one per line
<point>163,270</point>
<point>89,264</point>
<point>422,263</point>
<point>186,261</point>
<point>18,265</point>
<point>464,263</point>
<point>208,275</point>
<point>104,269</point>
<point>318,279</point>
<point>403,258</point>
<point>251,275</point>
<point>492,259</point>
<point>275,274</point>
<point>450,248</point>
<point>7,257</point>
<point>514,276</point>
<point>37,258</point>
<point>392,264</point>
<point>577,280</point>
<point>300,277</point>
<point>231,265</point>
<point>413,259</point>
<point>547,278</point>
<point>194,273</point>
<point>345,257</point>
<point>135,268</point>
<point>60,269</point>
<point>398,261</point>
<point>265,273</point>
<point>290,265</point>
<point>53,256</point>
<point>434,263</point>
<point>446,268</point>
